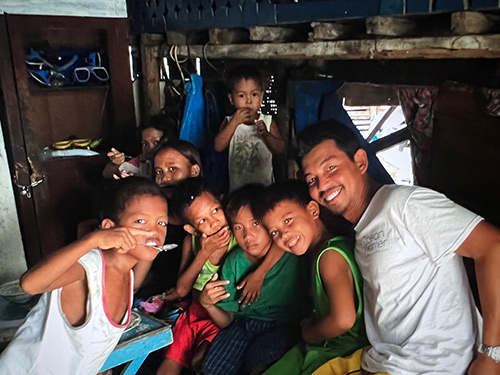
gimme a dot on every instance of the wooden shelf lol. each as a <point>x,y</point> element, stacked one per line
<point>38,89</point>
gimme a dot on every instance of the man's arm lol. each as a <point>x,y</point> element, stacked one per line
<point>483,245</point>
<point>338,281</point>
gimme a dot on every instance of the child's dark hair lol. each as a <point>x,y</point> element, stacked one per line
<point>162,123</point>
<point>318,132</point>
<point>244,196</point>
<point>243,72</point>
<point>185,148</point>
<point>115,195</point>
<point>186,192</point>
<point>291,190</point>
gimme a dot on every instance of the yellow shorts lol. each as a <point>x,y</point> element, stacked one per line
<point>345,366</point>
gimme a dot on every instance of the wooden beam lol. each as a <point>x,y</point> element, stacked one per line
<point>473,23</point>
<point>450,47</point>
<point>390,140</point>
<point>390,26</point>
<point>228,36</point>
<point>335,30</point>
<point>381,123</point>
<point>150,57</point>
<point>273,34</point>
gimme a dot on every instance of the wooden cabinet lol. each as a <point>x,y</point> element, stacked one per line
<point>37,116</point>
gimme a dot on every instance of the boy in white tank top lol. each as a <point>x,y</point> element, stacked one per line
<point>88,285</point>
<point>252,137</point>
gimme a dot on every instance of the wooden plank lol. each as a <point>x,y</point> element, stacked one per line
<point>473,23</point>
<point>390,140</point>
<point>150,57</point>
<point>380,123</point>
<point>466,46</point>
<point>335,30</point>
<point>390,26</point>
<point>228,36</point>
<point>273,34</point>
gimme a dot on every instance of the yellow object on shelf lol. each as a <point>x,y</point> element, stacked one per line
<point>72,143</point>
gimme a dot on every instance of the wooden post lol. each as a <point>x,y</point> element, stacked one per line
<point>150,57</point>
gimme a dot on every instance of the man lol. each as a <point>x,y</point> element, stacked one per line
<point>419,312</point>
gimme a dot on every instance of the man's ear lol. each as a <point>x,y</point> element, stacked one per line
<point>190,229</point>
<point>195,170</point>
<point>313,208</point>
<point>107,223</point>
<point>361,160</point>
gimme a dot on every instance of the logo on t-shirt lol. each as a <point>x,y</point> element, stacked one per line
<point>373,242</point>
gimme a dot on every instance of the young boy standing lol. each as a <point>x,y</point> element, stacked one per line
<point>252,137</point>
<point>88,287</point>
<point>256,335</point>
<point>336,327</point>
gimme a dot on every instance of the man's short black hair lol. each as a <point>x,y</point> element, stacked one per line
<point>243,72</point>
<point>115,195</point>
<point>318,132</point>
<point>244,196</point>
<point>186,192</point>
<point>289,190</point>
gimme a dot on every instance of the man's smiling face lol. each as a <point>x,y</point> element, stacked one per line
<point>335,181</point>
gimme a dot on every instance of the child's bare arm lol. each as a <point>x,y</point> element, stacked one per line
<point>252,284</point>
<point>227,128</point>
<point>116,158</point>
<point>339,285</point>
<point>187,279</point>
<point>212,293</point>
<point>271,138</point>
<point>62,268</point>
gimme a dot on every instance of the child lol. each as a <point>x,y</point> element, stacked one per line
<point>255,336</point>
<point>174,162</point>
<point>154,131</point>
<point>202,254</point>
<point>88,287</point>
<point>337,326</point>
<point>196,204</point>
<point>251,136</point>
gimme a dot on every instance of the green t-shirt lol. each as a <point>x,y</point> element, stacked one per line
<point>208,269</point>
<point>284,290</point>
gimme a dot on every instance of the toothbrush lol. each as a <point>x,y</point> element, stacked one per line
<point>161,248</point>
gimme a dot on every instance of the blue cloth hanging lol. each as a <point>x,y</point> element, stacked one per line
<point>318,100</point>
<point>193,127</point>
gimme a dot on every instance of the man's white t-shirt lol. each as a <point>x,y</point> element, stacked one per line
<point>419,312</point>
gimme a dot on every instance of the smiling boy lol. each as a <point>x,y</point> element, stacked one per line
<point>336,327</point>
<point>253,336</point>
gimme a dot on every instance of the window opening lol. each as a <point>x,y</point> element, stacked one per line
<point>377,122</point>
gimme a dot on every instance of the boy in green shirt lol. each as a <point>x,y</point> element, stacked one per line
<point>255,335</point>
<point>336,327</point>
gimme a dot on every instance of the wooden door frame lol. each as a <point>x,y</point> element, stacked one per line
<point>16,149</point>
